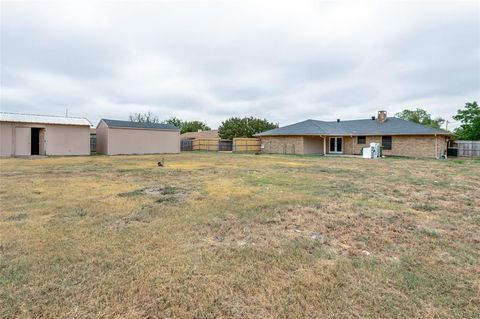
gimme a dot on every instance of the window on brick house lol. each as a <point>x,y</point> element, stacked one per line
<point>361,139</point>
<point>387,142</point>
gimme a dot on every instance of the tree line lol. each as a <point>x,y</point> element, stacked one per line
<point>229,129</point>
<point>469,117</point>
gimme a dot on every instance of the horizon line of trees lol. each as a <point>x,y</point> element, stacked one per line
<point>469,117</point>
<point>229,129</point>
<point>183,126</point>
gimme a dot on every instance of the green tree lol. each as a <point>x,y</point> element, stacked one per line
<point>470,118</point>
<point>243,127</point>
<point>174,121</point>
<point>194,126</point>
<point>187,126</point>
<point>420,116</point>
<point>143,117</point>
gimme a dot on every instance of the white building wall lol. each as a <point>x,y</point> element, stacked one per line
<point>59,139</point>
<point>6,139</point>
<point>102,138</point>
<point>142,141</point>
<point>67,140</point>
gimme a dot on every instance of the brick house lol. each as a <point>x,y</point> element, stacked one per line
<point>398,137</point>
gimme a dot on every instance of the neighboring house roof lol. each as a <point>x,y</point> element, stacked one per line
<point>43,119</point>
<point>201,134</point>
<point>392,126</point>
<point>137,125</point>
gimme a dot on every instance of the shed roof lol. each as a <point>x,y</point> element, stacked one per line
<point>137,125</point>
<point>43,119</point>
<point>392,126</point>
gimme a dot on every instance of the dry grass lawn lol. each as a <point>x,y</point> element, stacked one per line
<point>239,236</point>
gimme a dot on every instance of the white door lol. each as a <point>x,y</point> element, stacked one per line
<point>336,145</point>
<point>23,141</point>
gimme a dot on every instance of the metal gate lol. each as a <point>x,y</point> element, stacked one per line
<point>93,142</point>
<point>225,146</point>
<point>186,145</point>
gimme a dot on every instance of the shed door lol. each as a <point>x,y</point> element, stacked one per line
<point>23,142</point>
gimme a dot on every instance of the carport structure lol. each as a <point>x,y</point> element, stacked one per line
<point>28,134</point>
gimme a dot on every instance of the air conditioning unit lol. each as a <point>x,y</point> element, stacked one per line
<point>373,151</point>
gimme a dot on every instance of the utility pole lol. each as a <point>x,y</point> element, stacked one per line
<point>66,112</point>
<point>446,125</point>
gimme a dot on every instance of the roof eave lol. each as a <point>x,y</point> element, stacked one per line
<point>46,123</point>
<point>144,128</point>
<point>357,134</point>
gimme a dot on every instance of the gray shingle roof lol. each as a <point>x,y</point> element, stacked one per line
<point>392,126</point>
<point>137,125</point>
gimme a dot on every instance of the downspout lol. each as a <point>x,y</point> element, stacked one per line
<point>353,145</point>
<point>324,145</point>
<point>436,147</point>
<point>14,141</point>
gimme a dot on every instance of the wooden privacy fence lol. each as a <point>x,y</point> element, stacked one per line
<point>466,148</point>
<point>240,145</point>
<point>205,144</point>
<point>246,145</point>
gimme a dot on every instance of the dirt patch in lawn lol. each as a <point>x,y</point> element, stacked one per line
<point>160,194</point>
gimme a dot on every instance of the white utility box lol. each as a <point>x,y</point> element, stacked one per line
<point>371,152</point>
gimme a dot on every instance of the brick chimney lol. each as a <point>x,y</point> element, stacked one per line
<point>382,116</point>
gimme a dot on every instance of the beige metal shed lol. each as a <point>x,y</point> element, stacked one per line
<point>125,137</point>
<point>27,134</point>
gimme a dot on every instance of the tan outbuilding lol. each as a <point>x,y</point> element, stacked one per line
<point>27,134</point>
<point>116,137</point>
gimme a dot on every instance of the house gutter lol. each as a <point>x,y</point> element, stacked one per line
<point>353,144</point>
<point>324,143</point>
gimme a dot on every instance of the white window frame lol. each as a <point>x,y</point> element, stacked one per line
<point>336,144</point>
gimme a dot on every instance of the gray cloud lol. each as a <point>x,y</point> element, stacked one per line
<point>212,60</point>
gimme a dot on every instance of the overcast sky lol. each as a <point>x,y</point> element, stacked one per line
<point>210,60</point>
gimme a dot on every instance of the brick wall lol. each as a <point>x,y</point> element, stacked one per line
<point>410,145</point>
<point>283,144</point>
<point>313,145</point>
<point>417,146</point>
<point>402,145</point>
